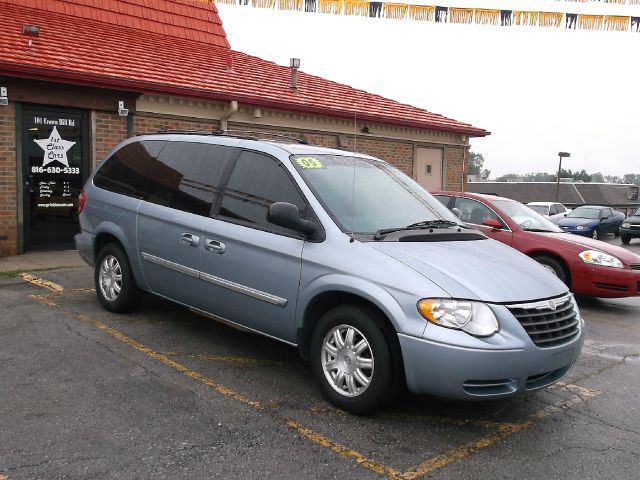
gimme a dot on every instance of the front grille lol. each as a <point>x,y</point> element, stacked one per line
<point>638,286</point>
<point>635,266</point>
<point>549,323</point>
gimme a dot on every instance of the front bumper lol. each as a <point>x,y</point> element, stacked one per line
<point>457,372</point>
<point>630,232</point>
<point>605,282</point>
<point>587,232</point>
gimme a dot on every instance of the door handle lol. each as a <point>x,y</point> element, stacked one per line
<point>214,246</point>
<point>189,239</point>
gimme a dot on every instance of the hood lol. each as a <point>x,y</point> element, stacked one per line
<point>635,219</point>
<point>583,243</point>
<point>483,270</point>
<point>574,222</point>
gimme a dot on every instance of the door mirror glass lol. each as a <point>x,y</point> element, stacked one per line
<point>457,212</point>
<point>287,215</point>
<point>492,222</point>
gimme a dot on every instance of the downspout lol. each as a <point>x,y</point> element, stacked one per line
<point>233,109</point>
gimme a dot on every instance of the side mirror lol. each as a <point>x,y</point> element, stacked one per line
<point>604,218</point>
<point>457,212</point>
<point>287,215</point>
<point>492,222</point>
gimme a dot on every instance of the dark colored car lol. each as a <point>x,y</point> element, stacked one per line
<point>630,228</point>
<point>586,265</point>
<point>592,221</point>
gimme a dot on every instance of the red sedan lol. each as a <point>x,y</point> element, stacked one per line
<point>587,266</point>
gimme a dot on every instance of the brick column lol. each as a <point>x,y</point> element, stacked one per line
<point>8,187</point>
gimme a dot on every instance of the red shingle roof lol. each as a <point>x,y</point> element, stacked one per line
<point>108,50</point>
<point>189,19</point>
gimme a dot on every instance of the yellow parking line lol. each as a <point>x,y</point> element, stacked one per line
<point>316,438</point>
<point>227,358</point>
<point>155,355</point>
<point>343,451</point>
<point>40,282</point>
<point>459,453</point>
<point>502,429</point>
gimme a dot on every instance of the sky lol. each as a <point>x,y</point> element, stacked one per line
<point>538,90</point>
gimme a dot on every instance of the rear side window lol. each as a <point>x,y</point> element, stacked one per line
<point>474,212</point>
<point>125,171</point>
<point>257,181</point>
<point>188,176</point>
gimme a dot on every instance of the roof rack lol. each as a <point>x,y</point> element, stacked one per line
<point>243,134</point>
<point>267,134</point>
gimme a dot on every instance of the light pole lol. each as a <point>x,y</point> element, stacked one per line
<point>560,156</point>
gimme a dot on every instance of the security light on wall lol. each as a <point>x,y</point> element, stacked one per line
<point>123,112</point>
<point>4,99</point>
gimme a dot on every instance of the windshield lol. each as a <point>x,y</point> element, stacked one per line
<point>364,196</point>
<point>583,212</point>
<point>637,214</point>
<point>525,217</point>
<point>541,209</point>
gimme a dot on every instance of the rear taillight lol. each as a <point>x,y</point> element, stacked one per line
<point>81,199</point>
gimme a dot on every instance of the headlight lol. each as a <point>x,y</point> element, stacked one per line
<point>598,258</point>
<point>626,225</point>
<point>580,227</point>
<point>472,317</point>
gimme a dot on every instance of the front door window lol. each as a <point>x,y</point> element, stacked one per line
<point>55,165</point>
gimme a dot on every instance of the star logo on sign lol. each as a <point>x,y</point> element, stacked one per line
<point>55,148</point>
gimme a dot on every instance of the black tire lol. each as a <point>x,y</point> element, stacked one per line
<point>386,374</point>
<point>554,265</point>
<point>625,239</point>
<point>617,232</point>
<point>596,234</point>
<point>129,295</point>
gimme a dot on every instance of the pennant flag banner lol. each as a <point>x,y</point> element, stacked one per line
<point>550,19</point>
<point>422,12</point>
<point>264,3</point>
<point>620,24</point>
<point>460,15</point>
<point>487,17</point>
<point>357,8</point>
<point>330,6</point>
<point>395,10</point>
<point>478,16</point>
<point>590,22</point>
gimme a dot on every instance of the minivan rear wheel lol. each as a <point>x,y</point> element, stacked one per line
<point>115,286</point>
<point>352,360</point>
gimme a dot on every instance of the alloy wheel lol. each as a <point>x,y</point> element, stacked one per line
<point>347,360</point>
<point>110,278</point>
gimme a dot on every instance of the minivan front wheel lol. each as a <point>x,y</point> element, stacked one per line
<point>115,285</point>
<point>352,361</point>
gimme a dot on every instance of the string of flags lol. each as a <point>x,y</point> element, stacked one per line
<point>478,16</point>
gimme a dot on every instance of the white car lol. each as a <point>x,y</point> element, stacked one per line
<point>554,211</point>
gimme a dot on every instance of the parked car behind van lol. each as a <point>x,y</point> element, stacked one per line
<point>337,254</point>
<point>554,211</point>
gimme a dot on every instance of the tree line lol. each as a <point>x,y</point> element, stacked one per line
<point>476,167</point>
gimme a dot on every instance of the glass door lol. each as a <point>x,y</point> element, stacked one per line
<point>55,162</point>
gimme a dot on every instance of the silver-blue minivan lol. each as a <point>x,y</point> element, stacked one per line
<point>337,254</point>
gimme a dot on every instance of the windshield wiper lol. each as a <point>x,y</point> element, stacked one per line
<point>427,224</point>
<point>539,230</point>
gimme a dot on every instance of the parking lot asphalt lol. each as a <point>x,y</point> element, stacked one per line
<point>164,393</point>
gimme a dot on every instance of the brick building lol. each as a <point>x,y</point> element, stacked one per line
<point>79,76</point>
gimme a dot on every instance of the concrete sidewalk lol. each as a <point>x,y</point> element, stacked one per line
<point>41,261</point>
